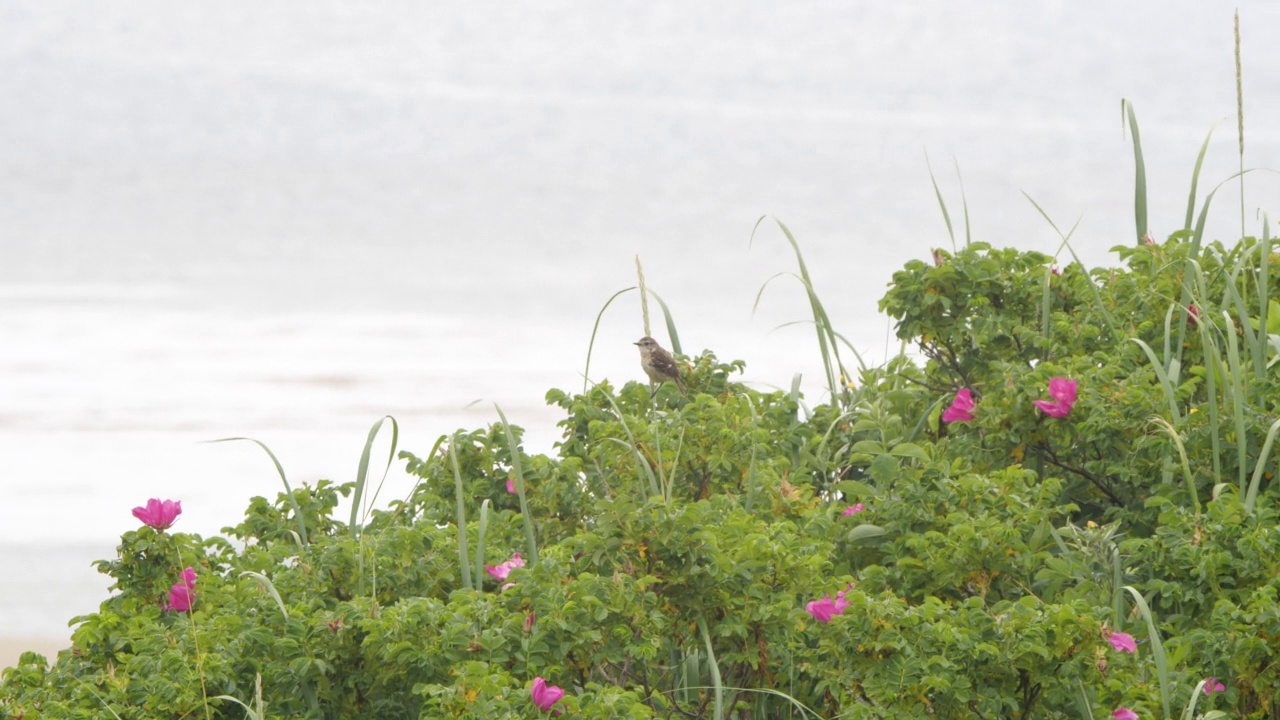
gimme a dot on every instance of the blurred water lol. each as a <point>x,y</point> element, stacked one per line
<point>287,220</point>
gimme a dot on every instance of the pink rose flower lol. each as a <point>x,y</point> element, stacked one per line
<point>183,593</point>
<point>1124,713</point>
<point>1123,642</point>
<point>1063,392</point>
<point>544,695</point>
<point>158,513</point>
<point>853,509</point>
<point>961,409</point>
<point>500,572</point>
<point>826,608</point>
<point>1211,686</point>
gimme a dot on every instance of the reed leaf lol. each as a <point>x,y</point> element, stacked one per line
<point>1251,495</point>
<point>1157,649</point>
<point>1140,171</point>
<point>270,587</point>
<point>297,509</point>
<point>1182,455</point>
<point>946,216</point>
<point>464,563</point>
<point>715,668</point>
<point>362,471</point>
<point>1170,392</point>
<point>530,541</point>
<point>484,528</point>
<point>827,345</point>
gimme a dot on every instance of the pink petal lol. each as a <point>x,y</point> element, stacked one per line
<point>1053,408</point>
<point>511,486</point>
<point>1123,642</point>
<point>1124,713</point>
<point>823,610</point>
<point>1063,390</point>
<point>1211,686</point>
<point>853,510</point>
<point>961,409</point>
<point>544,695</point>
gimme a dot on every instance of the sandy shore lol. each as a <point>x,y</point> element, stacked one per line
<point>12,647</point>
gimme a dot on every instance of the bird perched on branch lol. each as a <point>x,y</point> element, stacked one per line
<point>658,363</point>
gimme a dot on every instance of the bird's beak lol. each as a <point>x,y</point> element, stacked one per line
<point>635,343</point>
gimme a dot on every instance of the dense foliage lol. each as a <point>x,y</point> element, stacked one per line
<point>731,553</point>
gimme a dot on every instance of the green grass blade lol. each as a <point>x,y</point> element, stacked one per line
<point>1251,496</point>
<point>1066,242</point>
<point>644,296</point>
<point>1046,299</point>
<point>964,201</point>
<point>297,510</point>
<point>270,587</point>
<point>1195,178</point>
<point>1117,587</point>
<point>715,669</point>
<point>586,373</point>
<point>464,562</point>
<point>1157,648</point>
<point>946,216</point>
<point>1083,708</point>
<point>362,472</point>
<point>1170,392</point>
<point>670,322</point>
<point>642,465</point>
<point>1213,370</point>
<point>1140,172</point>
<point>1235,388</point>
<point>530,541</point>
<point>1182,455</point>
<point>827,345</point>
<point>1240,117</point>
<point>484,528</point>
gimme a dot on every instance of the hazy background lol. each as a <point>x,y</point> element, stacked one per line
<point>285,220</point>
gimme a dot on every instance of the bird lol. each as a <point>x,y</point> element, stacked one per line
<point>658,363</point>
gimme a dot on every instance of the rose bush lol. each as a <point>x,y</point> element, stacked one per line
<point>1063,508</point>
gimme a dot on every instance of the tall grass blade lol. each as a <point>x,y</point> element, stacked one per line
<point>1170,392</point>
<point>101,699</point>
<point>1083,707</point>
<point>1157,648</point>
<point>946,216</point>
<point>1240,118</point>
<point>642,465</point>
<point>464,563</point>
<point>644,296</point>
<point>1213,371</point>
<point>1235,388</point>
<point>586,373</point>
<point>715,668</point>
<point>484,528</point>
<point>964,201</point>
<point>1093,288</point>
<point>1182,455</point>
<point>297,509</point>
<point>530,541</point>
<point>827,344</point>
<point>1140,172</point>
<point>362,472</point>
<point>1045,303</point>
<point>1251,496</point>
<point>670,323</point>
<point>1117,587</point>
<point>270,587</point>
<point>1195,178</point>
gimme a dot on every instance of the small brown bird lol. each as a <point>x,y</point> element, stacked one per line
<point>658,363</point>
